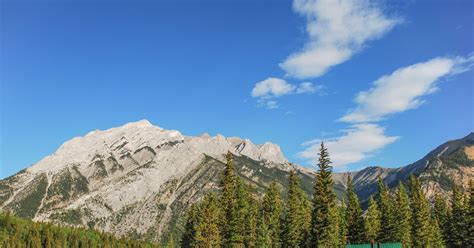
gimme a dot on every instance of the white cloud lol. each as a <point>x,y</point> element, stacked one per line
<point>272,87</point>
<point>337,29</point>
<point>403,89</point>
<point>267,90</point>
<point>308,87</point>
<point>359,142</point>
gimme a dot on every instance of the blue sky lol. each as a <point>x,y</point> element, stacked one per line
<point>382,82</point>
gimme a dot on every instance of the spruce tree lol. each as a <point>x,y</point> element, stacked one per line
<point>471,214</point>
<point>403,216</point>
<point>229,202</point>
<point>237,208</point>
<point>436,238</point>
<point>441,213</point>
<point>387,218</point>
<point>323,201</point>
<point>372,221</point>
<point>189,235</point>
<point>208,230</point>
<point>297,221</point>
<point>263,234</point>
<point>334,231</point>
<point>420,215</point>
<point>354,218</point>
<point>458,236</point>
<point>251,224</point>
<point>342,225</point>
<point>271,214</point>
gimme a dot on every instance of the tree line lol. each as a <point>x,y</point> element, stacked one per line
<point>18,233</point>
<point>236,218</point>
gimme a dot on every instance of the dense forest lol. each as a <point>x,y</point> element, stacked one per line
<point>18,233</point>
<point>235,218</point>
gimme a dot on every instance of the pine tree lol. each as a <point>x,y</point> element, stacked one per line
<point>189,235</point>
<point>334,238</point>
<point>471,214</point>
<point>372,221</point>
<point>263,234</point>
<point>271,214</point>
<point>229,201</point>
<point>440,212</point>
<point>387,218</point>
<point>342,225</point>
<point>403,217</point>
<point>298,214</point>
<point>420,214</point>
<point>251,224</point>
<point>323,201</point>
<point>208,230</point>
<point>458,236</point>
<point>354,218</point>
<point>436,238</point>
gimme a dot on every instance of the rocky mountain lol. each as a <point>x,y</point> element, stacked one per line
<point>450,162</point>
<point>138,179</point>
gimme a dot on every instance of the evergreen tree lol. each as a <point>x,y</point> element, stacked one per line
<point>354,218</point>
<point>323,202</point>
<point>420,214</point>
<point>458,236</point>
<point>342,225</point>
<point>387,218</point>
<point>471,214</point>
<point>298,214</point>
<point>440,212</point>
<point>251,224</point>
<point>229,201</point>
<point>263,234</point>
<point>403,217</point>
<point>436,238</point>
<point>334,238</point>
<point>209,217</point>
<point>372,221</point>
<point>239,222</point>
<point>188,239</point>
<point>271,214</point>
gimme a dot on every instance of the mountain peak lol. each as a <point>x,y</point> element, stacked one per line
<point>140,123</point>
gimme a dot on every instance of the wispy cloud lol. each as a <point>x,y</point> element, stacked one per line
<point>337,29</point>
<point>358,142</point>
<point>403,89</point>
<point>395,93</point>
<point>268,90</point>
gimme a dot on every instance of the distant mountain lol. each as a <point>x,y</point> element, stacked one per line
<point>138,179</point>
<point>450,162</point>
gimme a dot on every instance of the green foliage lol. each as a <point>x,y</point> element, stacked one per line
<point>17,232</point>
<point>402,216</point>
<point>207,232</point>
<point>420,214</point>
<point>298,214</point>
<point>440,212</point>
<point>323,201</point>
<point>436,238</point>
<point>29,199</point>
<point>458,221</point>
<point>354,219</point>
<point>471,213</point>
<point>387,216</point>
<point>372,221</point>
<point>271,216</point>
